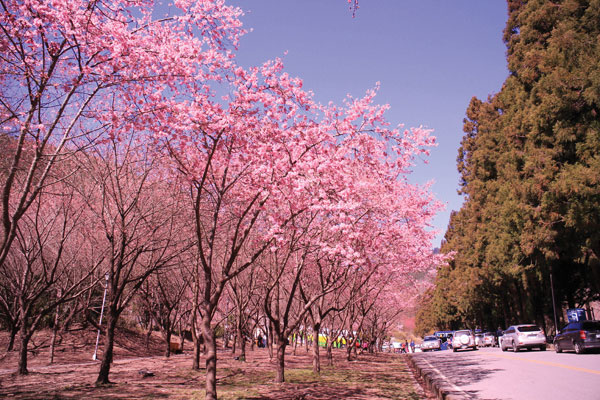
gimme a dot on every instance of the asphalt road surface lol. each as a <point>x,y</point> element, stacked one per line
<point>489,373</point>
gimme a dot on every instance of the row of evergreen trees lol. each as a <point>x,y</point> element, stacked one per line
<point>530,174</point>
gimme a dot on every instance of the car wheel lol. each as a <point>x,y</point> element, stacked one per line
<point>515,348</point>
<point>578,348</point>
<point>454,350</point>
<point>502,347</point>
<point>557,348</point>
<point>543,348</point>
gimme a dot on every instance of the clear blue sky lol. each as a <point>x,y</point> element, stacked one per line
<point>431,57</point>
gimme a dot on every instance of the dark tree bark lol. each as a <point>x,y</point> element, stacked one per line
<point>316,357</point>
<point>109,340</point>
<point>210,343</point>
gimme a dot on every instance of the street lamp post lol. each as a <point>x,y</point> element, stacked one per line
<point>95,356</point>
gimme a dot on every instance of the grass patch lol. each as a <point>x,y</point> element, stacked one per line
<point>387,380</point>
<point>224,393</point>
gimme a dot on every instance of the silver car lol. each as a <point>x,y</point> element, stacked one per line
<point>464,339</point>
<point>431,343</point>
<point>489,340</point>
<point>479,339</point>
<point>523,337</point>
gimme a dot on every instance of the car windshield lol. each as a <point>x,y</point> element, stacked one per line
<point>462,333</point>
<point>591,325</point>
<point>529,328</point>
<point>488,334</point>
<point>430,338</point>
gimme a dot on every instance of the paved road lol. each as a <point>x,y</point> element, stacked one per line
<point>490,373</point>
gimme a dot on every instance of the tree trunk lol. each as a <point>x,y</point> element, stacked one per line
<point>196,342</point>
<point>149,333</point>
<point>296,336</point>
<point>197,351</point>
<point>226,339</point>
<point>349,346</point>
<point>168,335</point>
<point>269,340</point>
<point>305,338</point>
<point>281,345</point>
<point>330,354</point>
<point>181,336</point>
<point>243,350</point>
<point>111,323</point>
<point>11,340</point>
<point>24,338</point>
<point>54,333</point>
<point>316,355</point>
<point>72,312</point>
<point>242,341</point>
<point>193,324</point>
<point>210,344</point>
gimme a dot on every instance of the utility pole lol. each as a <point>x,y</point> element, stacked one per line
<point>553,303</point>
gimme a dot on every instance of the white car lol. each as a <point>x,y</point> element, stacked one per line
<point>464,339</point>
<point>431,343</point>
<point>479,339</point>
<point>489,339</point>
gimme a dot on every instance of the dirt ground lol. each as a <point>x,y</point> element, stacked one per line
<point>141,373</point>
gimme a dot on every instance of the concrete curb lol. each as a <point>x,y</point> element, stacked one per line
<point>435,382</point>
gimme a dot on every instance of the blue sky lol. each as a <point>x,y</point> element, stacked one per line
<point>431,57</point>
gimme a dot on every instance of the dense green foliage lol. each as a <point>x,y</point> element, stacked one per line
<point>530,174</point>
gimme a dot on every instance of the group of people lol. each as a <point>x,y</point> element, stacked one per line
<point>404,347</point>
<point>261,341</point>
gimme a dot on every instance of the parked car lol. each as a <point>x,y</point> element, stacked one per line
<point>479,339</point>
<point>489,339</point>
<point>463,339</point>
<point>523,337</point>
<point>578,336</point>
<point>431,343</point>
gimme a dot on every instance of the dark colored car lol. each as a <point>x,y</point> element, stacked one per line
<point>578,336</point>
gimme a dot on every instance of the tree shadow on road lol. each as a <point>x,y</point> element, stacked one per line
<point>461,370</point>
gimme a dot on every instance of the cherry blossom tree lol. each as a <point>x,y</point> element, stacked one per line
<point>74,72</point>
<point>43,270</point>
<point>137,212</point>
<point>162,297</point>
<point>244,293</point>
<point>235,161</point>
<point>331,304</point>
<point>284,269</point>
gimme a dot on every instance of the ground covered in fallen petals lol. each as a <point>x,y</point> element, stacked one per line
<point>144,373</point>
